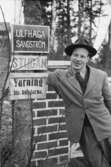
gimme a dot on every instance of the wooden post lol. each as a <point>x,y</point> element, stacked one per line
<point>0,132</point>
<point>13,121</point>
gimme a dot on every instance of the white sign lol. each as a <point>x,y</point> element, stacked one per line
<point>27,85</point>
<point>22,62</point>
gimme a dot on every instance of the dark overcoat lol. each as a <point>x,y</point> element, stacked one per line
<point>95,102</point>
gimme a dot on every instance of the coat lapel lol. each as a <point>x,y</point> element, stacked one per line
<point>91,81</point>
<point>74,83</point>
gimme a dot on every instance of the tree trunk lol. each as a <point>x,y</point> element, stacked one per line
<point>68,22</point>
<point>32,12</point>
<point>90,21</point>
<point>53,27</point>
<point>80,16</point>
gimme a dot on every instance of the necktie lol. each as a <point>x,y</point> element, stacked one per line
<point>81,81</point>
<point>78,77</point>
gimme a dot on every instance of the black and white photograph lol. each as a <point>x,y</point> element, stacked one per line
<point>55,83</point>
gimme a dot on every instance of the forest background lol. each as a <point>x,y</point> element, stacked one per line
<point>68,20</point>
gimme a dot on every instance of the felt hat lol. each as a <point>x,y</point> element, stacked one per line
<point>81,43</point>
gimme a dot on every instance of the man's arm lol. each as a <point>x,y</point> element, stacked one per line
<point>52,80</point>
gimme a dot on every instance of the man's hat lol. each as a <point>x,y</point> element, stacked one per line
<point>81,43</point>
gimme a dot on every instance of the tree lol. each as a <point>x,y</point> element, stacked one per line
<point>32,12</point>
<point>105,54</point>
<point>63,28</point>
<point>88,11</point>
<point>64,21</point>
<point>72,23</point>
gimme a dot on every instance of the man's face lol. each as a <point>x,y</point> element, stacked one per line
<point>79,58</point>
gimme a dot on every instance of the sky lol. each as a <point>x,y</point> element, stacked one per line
<point>8,9</point>
<point>12,12</point>
<point>11,9</point>
<point>102,24</point>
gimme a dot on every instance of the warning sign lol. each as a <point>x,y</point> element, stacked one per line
<point>28,85</point>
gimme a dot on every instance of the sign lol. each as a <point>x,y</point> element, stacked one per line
<point>27,85</point>
<point>30,39</point>
<point>21,62</point>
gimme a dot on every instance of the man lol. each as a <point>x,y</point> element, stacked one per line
<point>87,99</point>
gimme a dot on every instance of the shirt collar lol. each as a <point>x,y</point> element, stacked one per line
<point>71,73</point>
